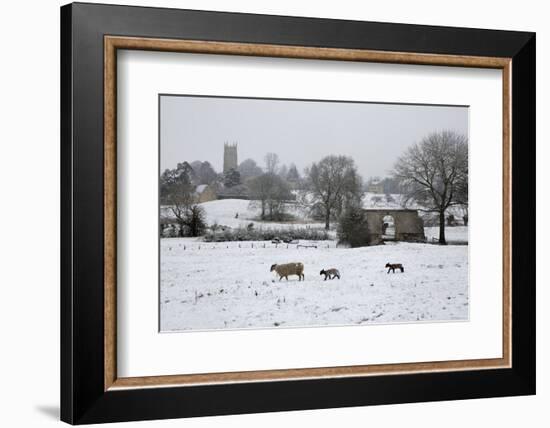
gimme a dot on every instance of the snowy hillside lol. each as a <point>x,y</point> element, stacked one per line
<point>236,213</point>
<point>453,235</point>
<point>223,212</point>
<point>238,291</point>
<point>378,200</point>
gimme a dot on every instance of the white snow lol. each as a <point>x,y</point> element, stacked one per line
<point>223,212</point>
<point>455,234</point>
<point>200,188</point>
<point>207,286</point>
<point>228,285</point>
<point>379,200</point>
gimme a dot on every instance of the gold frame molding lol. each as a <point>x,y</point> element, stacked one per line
<point>113,43</point>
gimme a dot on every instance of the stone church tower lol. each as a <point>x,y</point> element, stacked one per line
<point>230,160</point>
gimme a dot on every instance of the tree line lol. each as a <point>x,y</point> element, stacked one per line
<point>432,175</point>
<point>177,194</point>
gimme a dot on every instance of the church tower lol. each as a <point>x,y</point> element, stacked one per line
<point>230,160</point>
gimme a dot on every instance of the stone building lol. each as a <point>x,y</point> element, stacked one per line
<point>205,193</point>
<point>405,225</point>
<point>230,159</point>
<point>375,186</point>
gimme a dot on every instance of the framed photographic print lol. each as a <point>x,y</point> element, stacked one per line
<point>265,213</point>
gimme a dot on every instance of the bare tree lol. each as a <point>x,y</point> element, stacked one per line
<point>434,174</point>
<point>176,181</point>
<point>282,171</point>
<point>271,191</point>
<point>206,173</point>
<point>271,163</point>
<point>464,209</point>
<point>177,192</point>
<point>462,199</point>
<point>293,176</point>
<point>280,193</point>
<point>248,168</point>
<point>333,182</point>
<point>260,187</point>
<point>190,217</point>
<point>179,201</point>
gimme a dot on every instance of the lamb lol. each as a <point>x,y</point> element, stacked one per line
<point>330,273</point>
<point>392,267</point>
<point>287,269</point>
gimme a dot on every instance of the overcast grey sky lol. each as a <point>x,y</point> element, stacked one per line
<point>302,132</point>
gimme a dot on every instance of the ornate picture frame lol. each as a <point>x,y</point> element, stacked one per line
<point>91,389</point>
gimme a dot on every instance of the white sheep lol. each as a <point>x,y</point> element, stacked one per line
<point>287,269</point>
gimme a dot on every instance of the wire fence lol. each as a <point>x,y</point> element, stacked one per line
<point>205,246</point>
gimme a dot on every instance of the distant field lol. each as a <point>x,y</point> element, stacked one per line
<point>223,212</point>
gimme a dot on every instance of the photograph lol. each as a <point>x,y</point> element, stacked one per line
<point>279,213</point>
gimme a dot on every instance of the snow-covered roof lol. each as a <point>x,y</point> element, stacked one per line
<point>201,188</point>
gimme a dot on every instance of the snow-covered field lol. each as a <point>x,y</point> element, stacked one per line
<point>223,212</point>
<point>237,213</point>
<point>455,234</point>
<point>228,285</point>
<point>378,200</point>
